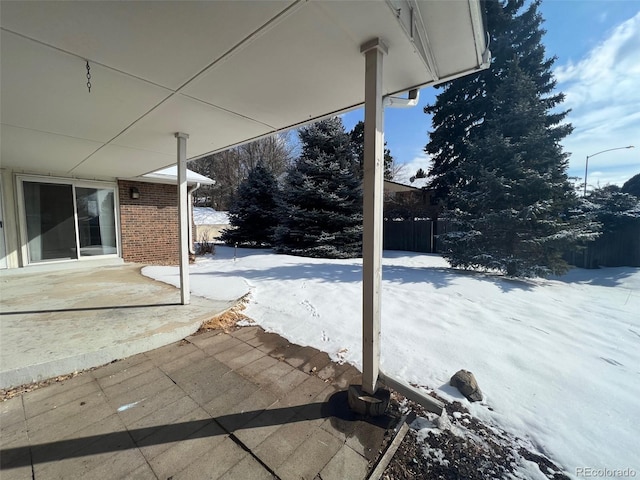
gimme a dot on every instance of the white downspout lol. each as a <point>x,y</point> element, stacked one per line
<point>190,190</point>
<point>399,102</point>
<point>429,403</point>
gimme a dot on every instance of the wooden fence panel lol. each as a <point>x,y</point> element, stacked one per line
<point>618,249</point>
<point>407,235</point>
<point>615,249</point>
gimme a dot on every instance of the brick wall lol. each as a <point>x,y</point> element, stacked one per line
<point>149,225</point>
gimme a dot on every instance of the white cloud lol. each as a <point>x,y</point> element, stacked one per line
<point>409,169</point>
<point>603,92</point>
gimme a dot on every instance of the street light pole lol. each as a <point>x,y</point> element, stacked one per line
<point>586,165</point>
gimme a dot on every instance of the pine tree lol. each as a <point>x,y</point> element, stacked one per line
<point>231,167</point>
<point>632,186</point>
<point>254,214</point>
<point>511,213</point>
<point>616,214</point>
<point>460,110</point>
<point>421,173</point>
<point>613,208</point>
<point>322,197</point>
<point>357,138</point>
<point>497,161</point>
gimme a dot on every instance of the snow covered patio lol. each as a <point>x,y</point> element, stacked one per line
<point>56,320</point>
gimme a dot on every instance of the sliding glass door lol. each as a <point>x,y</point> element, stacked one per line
<point>50,221</point>
<point>96,221</point>
<point>65,221</point>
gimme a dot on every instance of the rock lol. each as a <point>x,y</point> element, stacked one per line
<point>464,381</point>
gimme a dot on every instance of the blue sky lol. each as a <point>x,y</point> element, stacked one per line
<point>597,45</point>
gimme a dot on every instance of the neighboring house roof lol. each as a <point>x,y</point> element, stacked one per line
<point>170,175</point>
<point>416,183</point>
<point>390,186</point>
<point>267,67</point>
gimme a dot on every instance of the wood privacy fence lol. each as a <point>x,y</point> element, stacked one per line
<point>408,235</point>
<point>618,249</point>
<point>413,235</point>
<point>615,249</point>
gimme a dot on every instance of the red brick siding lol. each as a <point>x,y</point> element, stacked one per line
<point>149,225</point>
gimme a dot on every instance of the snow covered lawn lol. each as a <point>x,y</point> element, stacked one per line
<point>209,216</point>
<point>558,360</point>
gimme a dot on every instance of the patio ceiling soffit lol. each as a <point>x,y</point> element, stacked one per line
<point>225,72</point>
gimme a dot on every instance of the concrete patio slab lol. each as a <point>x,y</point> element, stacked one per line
<point>237,413</point>
<point>56,322</point>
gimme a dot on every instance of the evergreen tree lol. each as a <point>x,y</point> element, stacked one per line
<point>617,216</point>
<point>421,173</point>
<point>632,186</point>
<point>497,161</point>
<point>460,110</point>
<point>231,167</point>
<point>254,214</point>
<point>613,208</point>
<point>322,196</point>
<point>357,138</point>
<point>511,213</point>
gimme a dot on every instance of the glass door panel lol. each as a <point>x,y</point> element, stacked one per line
<point>96,221</point>
<point>50,219</point>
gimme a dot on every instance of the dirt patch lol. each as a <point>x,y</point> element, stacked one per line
<point>228,320</point>
<point>459,446</point>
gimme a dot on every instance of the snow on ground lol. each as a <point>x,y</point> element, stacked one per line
<point>558,359</point>
<point>209,216</point>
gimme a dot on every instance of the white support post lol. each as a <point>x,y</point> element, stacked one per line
<point>183,217</point>
<point>372,213</point>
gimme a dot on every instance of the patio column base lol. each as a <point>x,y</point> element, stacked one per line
<point>372,405</point>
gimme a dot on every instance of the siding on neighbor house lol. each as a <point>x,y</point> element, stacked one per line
<point>149,225</point>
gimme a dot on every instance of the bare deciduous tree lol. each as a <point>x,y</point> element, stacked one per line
<point>231,167</point>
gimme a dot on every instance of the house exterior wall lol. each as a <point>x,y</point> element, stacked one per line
<point>209,232</point>
<point>10,220</point>
<point>149,225</point>
<point>147,228</point>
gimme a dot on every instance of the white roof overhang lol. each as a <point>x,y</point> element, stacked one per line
<point>224,72</point>
<point>169,175</point>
